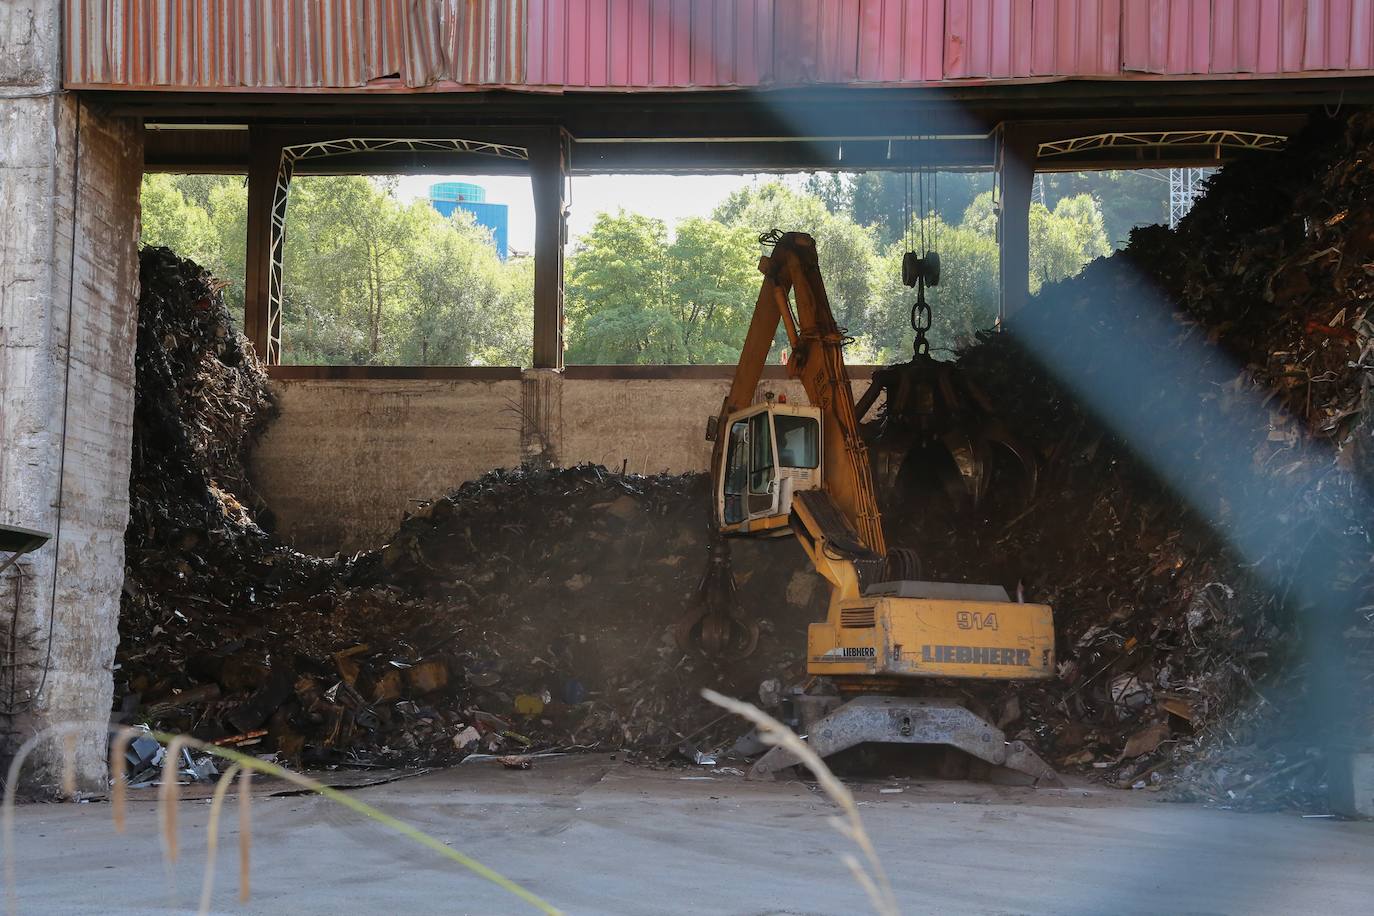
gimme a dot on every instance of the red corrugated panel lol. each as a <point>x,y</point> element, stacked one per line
<point>1361,36</point>
<point>309,44</point>
<point>1179,37</point>
<point>900,41</point>
<point>1016,39</point>
<point>649,44</point>
<point>858,41</point>
<point>1331,34</point>
<point>683,44</point>
<point>798,57</point>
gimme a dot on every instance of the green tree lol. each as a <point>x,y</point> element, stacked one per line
<point>228,208</point>
<point>847,251</point>
<point>617,295</point>
<point>204,218</point>
<point>1065,240</point>
<point>170,220</point>
<point>886,201</point>
<point>1127,198</point>
<point>366,278</point>
<point>834,189</point>
<point>1062,241</point>
<point>465,306</point>
<point>636,296</point>
<point>371,280</point>
<point>346,256</point>
<point>712,285</point>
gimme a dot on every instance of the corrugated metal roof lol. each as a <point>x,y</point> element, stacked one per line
<point>558,45</point>
<point>1248,36</point>
<point>1021,39</point>
<point>293,44</point>
<point>651,44</point>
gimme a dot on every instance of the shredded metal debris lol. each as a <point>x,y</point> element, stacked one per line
<point>1197,405</point>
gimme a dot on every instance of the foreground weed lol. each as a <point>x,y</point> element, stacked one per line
<point>242,767</point>
<point>873,879</point>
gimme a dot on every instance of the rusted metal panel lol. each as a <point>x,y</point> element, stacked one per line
<point>1225,37</point>
<point>858,41</point>
<point>296,44</point>
<point>649,44</point>
<point>558,45</point>
<point>900,41</point>
<point>1020,39</point>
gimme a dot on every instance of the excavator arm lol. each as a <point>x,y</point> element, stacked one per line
<point>778,467</point>
<point>881,621</point>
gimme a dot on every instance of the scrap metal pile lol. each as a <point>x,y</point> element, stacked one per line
<point>525,611</point>
<point>1201,526</point>
<point>1196,404</point>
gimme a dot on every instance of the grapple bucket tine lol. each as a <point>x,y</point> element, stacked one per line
<point>995,431</point>
<point>715,625</point>
<point>933,406</point>
<point>963,448</point>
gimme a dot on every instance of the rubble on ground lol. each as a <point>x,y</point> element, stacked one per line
<point>1198,406</point>
<point>526,610</point>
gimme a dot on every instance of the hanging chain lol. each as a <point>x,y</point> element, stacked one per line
<point>920,321</point>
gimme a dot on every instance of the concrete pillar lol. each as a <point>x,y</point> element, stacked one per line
<point>69,178</point>
<point>541,417</point>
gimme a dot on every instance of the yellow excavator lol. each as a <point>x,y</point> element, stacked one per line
<point>780,468</point>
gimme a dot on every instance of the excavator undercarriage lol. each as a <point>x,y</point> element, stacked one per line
<point>832,724</point>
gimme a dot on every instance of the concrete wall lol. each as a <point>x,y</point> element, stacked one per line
<point>69,179</point>
<point>346,459</point>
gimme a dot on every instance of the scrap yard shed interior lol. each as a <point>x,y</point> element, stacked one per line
<point>382,469</point>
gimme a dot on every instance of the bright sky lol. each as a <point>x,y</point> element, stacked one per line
<point>670,198</point>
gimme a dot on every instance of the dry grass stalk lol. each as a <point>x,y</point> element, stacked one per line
<point>873,880</point>
<point>119,789</point>
<point>207,884</point>
<point>245,833</point>
<point>21,754</point>
<point>69,765</point>
<point>249,762</point>
<point>168,791</point>
<point>168,794</point>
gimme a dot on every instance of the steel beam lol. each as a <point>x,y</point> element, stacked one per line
<point>760,154</point>
<point>263,162</point>
<point>548,159</point>
<point>1016,175</point>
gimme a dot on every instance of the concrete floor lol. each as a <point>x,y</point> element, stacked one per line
<point>595,836</point>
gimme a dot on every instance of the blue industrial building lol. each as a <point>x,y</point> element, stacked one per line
<point>448,196</point>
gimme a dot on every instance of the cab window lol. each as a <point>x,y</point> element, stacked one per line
<point>760,453</point>
<point>799,441</point>
<point>736,472</point>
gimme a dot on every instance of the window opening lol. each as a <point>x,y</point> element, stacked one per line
<point>799,441</point>
<point>736,472</point>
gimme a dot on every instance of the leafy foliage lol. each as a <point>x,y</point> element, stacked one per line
<point>636,296</point>
<point>370,280</point>
<point>367,279</point>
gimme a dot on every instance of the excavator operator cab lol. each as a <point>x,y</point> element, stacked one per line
<point>771,451</point>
